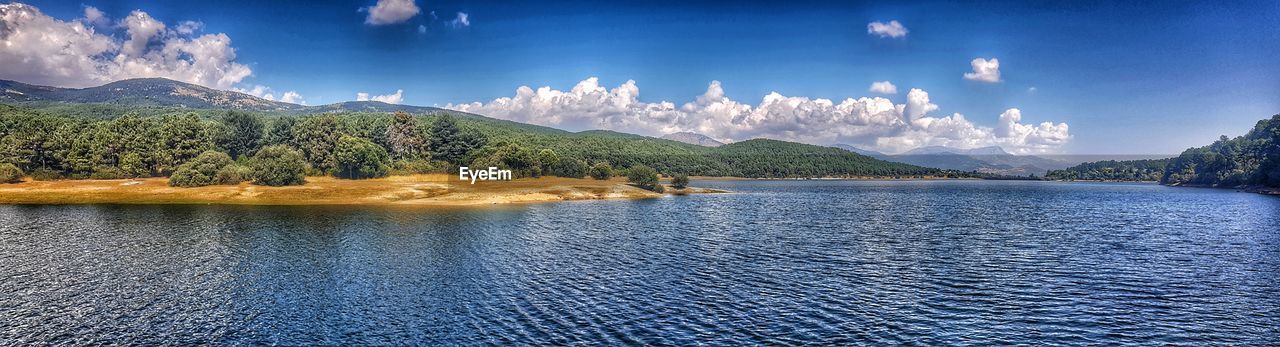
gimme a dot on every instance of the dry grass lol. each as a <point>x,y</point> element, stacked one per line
<point>422,190</point>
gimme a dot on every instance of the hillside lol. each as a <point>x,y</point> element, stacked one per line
<point>990,160</point>
<point>80,133</point>
<point>693,139</point>
<point>1249,160</point>
<point>1149,170</point>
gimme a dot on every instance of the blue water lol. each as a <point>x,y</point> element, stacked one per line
<point>831,262</point>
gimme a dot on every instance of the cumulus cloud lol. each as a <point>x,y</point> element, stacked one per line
<point>883,87</point>
<point>394,99</point>
<point>873,122</point>
<point>984,70</point>
<point>892,29</point>
<point>40,49</point>
<point>265,92</point>
<point>390,12</point>
<point>292,97</point>
<point>463,20</point>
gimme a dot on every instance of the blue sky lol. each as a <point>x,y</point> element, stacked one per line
<point>1127,78</point>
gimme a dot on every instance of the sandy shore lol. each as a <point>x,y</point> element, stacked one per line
<point>422,190</point>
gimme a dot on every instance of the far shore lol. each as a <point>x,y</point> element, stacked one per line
<point>412,190</point>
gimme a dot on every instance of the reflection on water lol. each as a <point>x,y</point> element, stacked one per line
<point>947,262</point>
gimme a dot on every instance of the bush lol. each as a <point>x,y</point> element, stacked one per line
<point>233,174</point>
<point>46,175</point>
<point>569,167</point>
<point>277,166</point>
<point>680,181</point>
<point>411,167</point>
<point>10,173</point>
<point>359,158</point>
<point>205,170</point>
<point>107,173</point>
<point>644,177</point>
<point>601,171</point>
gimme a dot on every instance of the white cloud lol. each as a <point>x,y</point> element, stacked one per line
<point>463,20</point>
<point>292,97</point>
<point>40,49</point>
<point>984,70</point>
<point>422,29</point>
<point>94,16</point>
<point>265,92</point>
<point>883,87</point>
<point>874,122</point>
<point>189,27</point>
<point>394,99</point>
<point>390,12</point>
<point>892,29</point>
<point>1032,90</point>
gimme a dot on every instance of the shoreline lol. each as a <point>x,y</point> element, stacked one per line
<point>428,190</point>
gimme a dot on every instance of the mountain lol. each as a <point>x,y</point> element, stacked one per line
<point>866,152</point>
<point>160,92</point>
<point>991,160</point>
<point>693,139</point>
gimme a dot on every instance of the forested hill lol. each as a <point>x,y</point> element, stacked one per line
<point>1147,170</point>
<point>163,93</point>
<point>1249,160</point>
<point>69,140</point>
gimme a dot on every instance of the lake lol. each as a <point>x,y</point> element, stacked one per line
<point>778,262</point>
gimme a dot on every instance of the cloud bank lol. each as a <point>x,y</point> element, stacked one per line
<point>892,29</point>
<point>36,48</point>
<point>873,122</point>
<point>390,12</point>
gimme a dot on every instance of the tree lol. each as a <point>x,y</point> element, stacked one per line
<point>680,181</point>
<point>601,171</point>
<point>359,158</point>
<point>132,165</point>
<point>316,137</point>
<point>202,171</point>
<point>10,173</point>
<point>278,165</point>
<point>644,177</point>
<point>403,138</point>
<point>546,159</point>
<point>242,135</point>
<point>449,143</point>
<point>179,139</point>
<point>280,132</point>
<point>508,156</point>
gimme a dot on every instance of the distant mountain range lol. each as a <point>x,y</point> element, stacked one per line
<point>993,160</point>
<point>160,92</point>
<point>693,139</point>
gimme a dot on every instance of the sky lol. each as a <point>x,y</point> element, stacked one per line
<point>1073,77</point>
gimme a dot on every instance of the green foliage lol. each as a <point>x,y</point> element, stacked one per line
<point>10,173</point>
<point>1111,170</point>
<point>644,177</point>
<point>359,158</point>
<point>1252,159</point>
<point>280,131</point>
<point>680,181</point>
<point>278,165</point>
<point>205,170</point>
<point>601,171</point>
<point>181,138</point>
<point>242,135</point>
<point>449,143</point>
